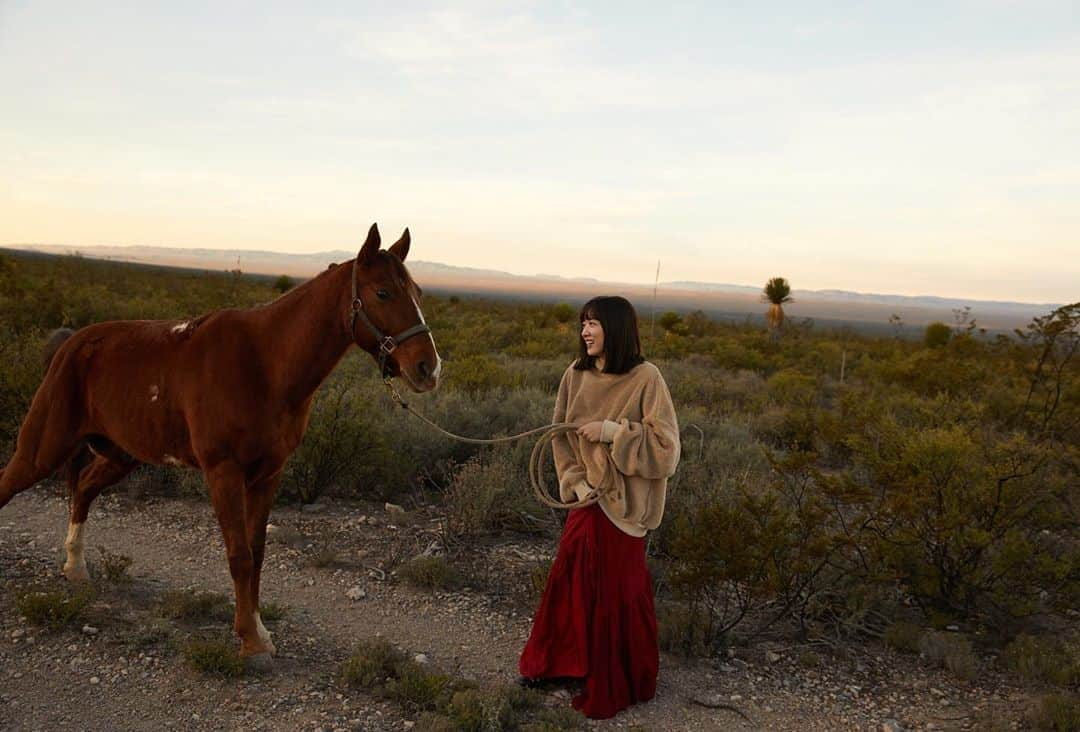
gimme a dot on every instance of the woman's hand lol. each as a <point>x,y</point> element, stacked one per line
<point>591,431</point>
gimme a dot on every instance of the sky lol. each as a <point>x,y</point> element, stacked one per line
<point>907,148</point>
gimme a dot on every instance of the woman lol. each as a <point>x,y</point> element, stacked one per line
<point>596,621</point>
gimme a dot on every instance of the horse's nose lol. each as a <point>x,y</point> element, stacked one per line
<point>424,369</point>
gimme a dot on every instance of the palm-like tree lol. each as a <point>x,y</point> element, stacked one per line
<point>777,291</point>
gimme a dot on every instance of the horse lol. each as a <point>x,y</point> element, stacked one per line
<point>228,393</point>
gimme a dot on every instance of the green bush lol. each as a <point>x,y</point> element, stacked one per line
<point>937,335</point>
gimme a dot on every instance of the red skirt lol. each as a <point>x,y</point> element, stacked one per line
<point>597,620</point>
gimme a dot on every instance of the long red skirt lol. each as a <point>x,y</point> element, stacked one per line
<point>597,620</point>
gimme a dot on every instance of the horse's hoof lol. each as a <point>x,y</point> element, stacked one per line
<point>77,574</point>
<point>258,663</point>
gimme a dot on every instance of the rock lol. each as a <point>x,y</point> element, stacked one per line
<point>355,593</point>
<point>394,510</point>
<point>772,656</point>
<point>89,630</point>
<point>408,724</point>
<point>94,680</point>
<point>18,633</point>
<point>421,659</point>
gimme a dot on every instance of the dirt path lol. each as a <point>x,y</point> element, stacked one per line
<point>122,671</point>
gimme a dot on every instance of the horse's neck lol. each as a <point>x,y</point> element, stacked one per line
<point>308,332</point>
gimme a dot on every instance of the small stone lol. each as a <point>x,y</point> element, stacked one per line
<point>393,509</point>
<point>355,593</point>
<point>89,630</point>
<point>772,656</point>
<point>408,724</point>
<point>18,633</point>
<point>94,680</point>
<point>735,697</point>
<point>421,659</point>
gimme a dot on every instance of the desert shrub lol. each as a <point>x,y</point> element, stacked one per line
<point>903,636</point>
<point>192,605</point>
<point>340,451</point>
<point>430,573</point>
<point>54,610</point>
<point>937,335</point>
<point>373,663</point>
<point>686,630</point>
<point>214,658</point>
<point>490,493</point>
<point>114,566</point>
<point>1057,713</point>
<point>951,651</point>
<point>20,374</point>
<point>564,312</point>
<point>418,689</point>
<point>1043,660</point>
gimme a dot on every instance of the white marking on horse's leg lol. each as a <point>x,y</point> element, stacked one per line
<point>264,634</point>
<point>75,566</point>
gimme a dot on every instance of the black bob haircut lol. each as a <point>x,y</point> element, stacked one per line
<point>622,343</point>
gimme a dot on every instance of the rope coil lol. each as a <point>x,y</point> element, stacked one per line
<point>536,474</point>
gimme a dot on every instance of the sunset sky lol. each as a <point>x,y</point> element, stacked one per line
<point>909,148</point>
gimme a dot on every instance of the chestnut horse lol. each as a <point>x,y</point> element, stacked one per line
<point>228,393</point>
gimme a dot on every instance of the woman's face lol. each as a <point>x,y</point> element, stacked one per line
<point>593,335</point>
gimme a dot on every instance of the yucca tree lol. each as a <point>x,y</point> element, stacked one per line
<point>777,291</point>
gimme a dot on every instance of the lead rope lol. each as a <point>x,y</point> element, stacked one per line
<point>536,474</point>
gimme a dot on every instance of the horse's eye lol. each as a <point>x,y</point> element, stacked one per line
<point>382,294</point>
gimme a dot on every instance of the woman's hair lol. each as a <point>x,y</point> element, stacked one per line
<point>622,343</point>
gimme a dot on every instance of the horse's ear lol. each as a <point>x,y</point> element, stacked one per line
<point>401,246</point>
<point>371,245</point>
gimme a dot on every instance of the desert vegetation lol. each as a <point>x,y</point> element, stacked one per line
<point>834,487</point>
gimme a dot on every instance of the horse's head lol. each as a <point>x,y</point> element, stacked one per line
<point>386,317</point>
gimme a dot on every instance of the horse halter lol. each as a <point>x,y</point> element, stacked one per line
<point>387,343</point>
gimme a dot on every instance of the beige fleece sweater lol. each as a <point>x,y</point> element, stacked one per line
<point>638,450</point>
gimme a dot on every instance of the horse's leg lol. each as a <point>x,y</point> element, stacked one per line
<point>260,499</point>
<point>227,486</point>
<point>85,485</point>
<point>46,439</point>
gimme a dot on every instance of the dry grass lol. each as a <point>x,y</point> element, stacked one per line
<point>1057,712</point>
<point>950,651</point>
<point>53,610</point>
<point>196,606</point>
<point>114,567</point>
<point>430,573</point>
<point>214,658</point>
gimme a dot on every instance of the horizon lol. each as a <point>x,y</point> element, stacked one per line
<point>906,151</point>
<point>42,248</point>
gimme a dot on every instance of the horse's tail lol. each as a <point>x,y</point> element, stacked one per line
<point>52,345</point>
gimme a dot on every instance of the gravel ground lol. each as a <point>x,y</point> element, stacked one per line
<point>332,571</point>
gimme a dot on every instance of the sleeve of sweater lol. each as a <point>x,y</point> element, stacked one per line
<point>649,448</point>
<point>569,471</point>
